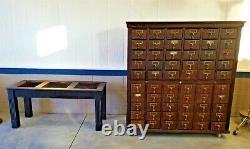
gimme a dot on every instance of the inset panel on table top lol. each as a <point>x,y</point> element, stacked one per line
<point>173,55</point>
<point>155,55</point>
<point>210,33</point>
<point>156,44</point>
<point>140,55</point>
<point>228,44</point>
<point>139,44</point>
<point>209,44</point>
<point>191,44</point>
<point>174,44</point>
<point>229,33</point>
<point>30,84</point>
<point>156,34</point>
<point>224,65</point>
<point>57,85</point>
<point>174,33</point>
<point>81,85</point>
<point>192,33</point>
<point>139,34</point>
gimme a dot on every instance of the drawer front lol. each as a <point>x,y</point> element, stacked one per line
<point>188,65</point>
<point>219,108</point>
<point>227,54</point>
<point>201,107</point>
<point>224,65</point>
<point>154,98</point>
<point>168,125</point>
<point>137,115</point>
<point>156,44</point>
<point>218,126</point>
<point>201,126</point>
<point>187,98</point>
<point>210,33</point>
<point>154,124</point>
<point>205,65</point>
<point>137,75</point>
<point>185,125</point>
<point>154,65</point>
<point>170,88</point>
<point>204,89</point>
<point>189,75</point>
<point>156,34</point>
<point>153,116</point>
<point>185,116</point>
<point>221,89</point>
<point>169,107</point>
<point>139,44</point>
<point>174,44</point>
<point>208,55</point>
<point>206,74</point>
<point>137,122</point>
<point>187,89</point>
<point>224,75</point>
<point>155,55</point>
<point>140,55</point>
<point>223,98</point>
<point>154,75</point>
<point>201,117</point>
<point>137,88</point>
<point>188,108</point>
<point>229,33</point>
<point>192,34</point>
<point>219,117</point>
<point>171,75</point>
<point>191,44</point>
<point>209,44</point>
<point>190,55</point>
<point>169,98</point>
<point>154,88</point>
<point>203,98</point>
<point>139,97</point>
<point>139,34</point>
<point>173,55</point>
<point>169,116</point>
<point>172,65</point>
<point>228,44</point>
<point>174,34</point>
<point>154,107</point>
<point>138,106</point>
<point>137,65</point>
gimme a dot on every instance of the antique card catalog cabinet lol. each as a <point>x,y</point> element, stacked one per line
<point>181,75</point>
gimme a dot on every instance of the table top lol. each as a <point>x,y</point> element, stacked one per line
<point>59,85</point>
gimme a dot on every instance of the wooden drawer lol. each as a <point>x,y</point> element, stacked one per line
<point>229,33</point>
<point>154,88</point>
<point>137,65</point>
<point>205,65</point>
<point>138,87</point>
<point>224,65</point>
<point>168,125</point>
<point>188,89</point>
<point>185,125</point>
<point>154,107</point>
<point>203,98</point>
<point>174,34</point>
<point>219,108</point>
<point>172,65</point>
<point>189,75</point>
<point>185,116</point>
<point>137,115</point>
<point>174,44</point>
<point>210,33</point>
<point>154,124</point>
<point>206,74</point>
<point>169,107</point>
<point>219,117</point>
<point>139,44</point>
<point>209,44</point>
<point>169,116</point>
<point>139,34</point>
<point>221,98</point>
<point>140,55</point>
<point>154,98</point>
<point>187,98</point>
<point>218,126</point>
<point>202,107</point>
<point>186,108</point>
<point>137,75</point>
<point>156,34</point>
<point>156,44</point>
<point>190,55</point>
<point>154,65</point>
<point>173,55</point>
<point>208,54</point>
<point>137,122</point>
<point>192,34</point>
<point>155,55</point>
<point>154,75</point>
<point>228,44</point>
<point>221,89</point>
<point>153,116</point>
<point>188,65</point>
<point>227,54</point>
<point>201,126</point>
<point>204,89</point>
<point>138,106</point>
<point>171,75</point>
<point>139,97</point>
<point>224,75</point>
<point>201,117</point>
<point>170,88</point>
<point>192,44</point>
<point>169,98</point>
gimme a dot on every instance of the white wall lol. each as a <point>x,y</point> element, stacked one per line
<point>95,34</point>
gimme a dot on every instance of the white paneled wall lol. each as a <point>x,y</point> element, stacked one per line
<point>96,37</point>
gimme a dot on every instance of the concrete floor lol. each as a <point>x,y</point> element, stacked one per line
<point>76,131</point>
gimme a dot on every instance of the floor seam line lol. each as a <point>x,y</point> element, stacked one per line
<point>77,132</point>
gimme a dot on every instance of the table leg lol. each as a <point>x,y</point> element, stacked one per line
<point>28,107</point>
<point>14,112</point>
<point>98,115</point>
<point>104,104</point>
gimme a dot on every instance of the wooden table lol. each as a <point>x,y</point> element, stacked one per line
<point>29,89</point>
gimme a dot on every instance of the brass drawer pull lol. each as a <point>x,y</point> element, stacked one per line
<point>174,33</point>
<point>192,43</point>
<point>156,33</point>
<point>155,64</point>
<point>210,43</point>
<point>174,43</point>
<point>192,32</point>
<point>156,54</point>
<point>139,33</point>
<point>211,32</point>
<point>228,43</point>
<point>173,54</point>
<point>139,44</point>
<point>156,44</point>
<point>229,31</point>
<point>155,73</point>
